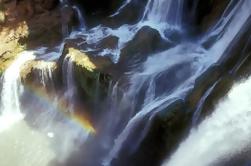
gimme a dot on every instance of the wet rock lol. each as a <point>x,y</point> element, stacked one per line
<point>146,41</point>
<point>204,14</point>
<point>90,71</point>
<point>161,132</point>
<point>238,52</point>
<point>40,73</point>
<point>221,88</point>
<point>110,42</point>
<point>97,10</point>
<point>202,84</point>
<point>129,14</point>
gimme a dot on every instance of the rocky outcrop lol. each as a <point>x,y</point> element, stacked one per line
<point>42,74</point>
<point>9,43</point>
<point>146,41</point>
<point>91,74</point>
<point>201,15</point>
<point>96,10</point>
<point>24,26</point>
<point>163,130</point>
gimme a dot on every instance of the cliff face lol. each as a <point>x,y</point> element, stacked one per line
<point>27,24</point>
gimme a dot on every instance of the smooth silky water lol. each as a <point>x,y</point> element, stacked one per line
<point>53,135</point>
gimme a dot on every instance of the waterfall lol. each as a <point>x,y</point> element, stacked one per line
<point>194,59</point>
<point>11,90</point>
<point>69,82</point>
<point>164,11</point>
<point>81,20</point>
<point>162,15</point>
<point>121,7</point>
<point>21,144</point>
<point>47,124</point>
<point>223,135</point>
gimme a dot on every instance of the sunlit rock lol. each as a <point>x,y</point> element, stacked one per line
<point>90,71</point>
<point>9,45</point>
<point>40,73</point>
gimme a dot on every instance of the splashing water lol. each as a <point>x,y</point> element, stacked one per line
<point>195,61</point>
<point>224,134</point>
<point>21,144</point>
<point>164,11</point>
<point>11,90</point>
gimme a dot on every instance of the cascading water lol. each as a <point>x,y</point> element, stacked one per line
<point>11,91</point>
<point>162,11</point>
<point>194,63</point>
<point>17,138</point>
<point>223,135</point>
<point>135,98</point>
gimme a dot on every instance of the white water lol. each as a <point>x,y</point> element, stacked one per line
<point>162,15</point>
<point>23,145</point>
<point>11,90</point>
<point>198,59</point>
<point>164,11</point>
<point>20,144</point>
<point>224,134</point>
<point>81,20</point>
<point>69,82</point>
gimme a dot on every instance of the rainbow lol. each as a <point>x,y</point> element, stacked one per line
<point>78,115</point>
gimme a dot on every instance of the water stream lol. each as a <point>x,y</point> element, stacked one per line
<point>45,126</point>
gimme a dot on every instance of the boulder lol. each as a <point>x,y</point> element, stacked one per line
<point>91,74</point>
<point>40,73</point>
<point>146,41</point>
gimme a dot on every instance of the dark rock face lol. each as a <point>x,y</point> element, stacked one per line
<point>166,128</point>
<point>201,15</point>
<point>130,14</point>
<point>96,10</point>
<point>32,71</point>
<point>90,72</point>
<point>146,41</point>
<point>233,66</point>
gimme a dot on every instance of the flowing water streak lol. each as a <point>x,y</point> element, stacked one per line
<point>69,82</point>
<point>224,134</point>
<point>156,15</point>
<point>46,73</point>
<point>11,90</point>
<point>164,11</point>
<point>18,140</point>
<point>198,110</point>
<point>81,20</point>
<point>160,64</point>
<point>200,61</point>
<point>121,8</point>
